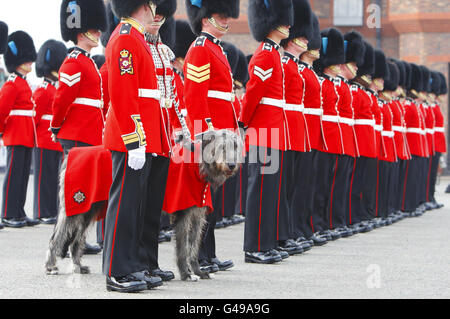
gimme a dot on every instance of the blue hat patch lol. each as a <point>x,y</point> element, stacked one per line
<point>12,46</point>
<point>197,3</point>
<point>324,45</point>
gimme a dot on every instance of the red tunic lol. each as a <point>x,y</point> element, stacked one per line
<point>415,128</point>
<point>313,107</point>
<point>429,128</point>
<point>424,138</point>
<point>134,118</point>
<point>263,104</point>
<point>17,112</point>
<point>330,118</point>
<point>295,88</point>
<point>439,130</point>
<point>388,134</point>
<point>78,105</point>
<point>364,121</point>
<point>378,116</point>
<point>43,98</point>
<point>208,86</point>
<point>399,128</point>
<point>347,120</point>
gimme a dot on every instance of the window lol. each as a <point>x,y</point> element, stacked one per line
<point>348,12</point>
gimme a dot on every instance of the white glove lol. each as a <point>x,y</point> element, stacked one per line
<point>136,158</point>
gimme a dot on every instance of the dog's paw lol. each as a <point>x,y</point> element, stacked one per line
<point>83,270</point>
<point>193,278</point>
<point>51,270</point>
<point>207,276</point>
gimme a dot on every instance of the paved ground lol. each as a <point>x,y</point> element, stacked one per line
<point>406,260</point>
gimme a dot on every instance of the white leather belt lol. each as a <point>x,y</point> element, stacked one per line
<point>387,133</point>
<point>400,129</point>
<point>313,111</point>
<point>88,102</point>
<point>29,113</point>
<point>47,117</point>
<point>227,96</point>
<point>378,128</point>
<point>365,122</point>
<point>273,102</point>
<point>415,130</point>
<point>330,118</point>
<point>347,121</point>
<point>150,94</point>
<point>429,130</point>
<point>294,107</point>
<point>439,129</point>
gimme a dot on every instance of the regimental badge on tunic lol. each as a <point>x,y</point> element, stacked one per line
<point>126,62</point>
<point>79,197</point>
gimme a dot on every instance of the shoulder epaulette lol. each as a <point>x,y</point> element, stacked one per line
<point>337,81</point>
<point>200,42</point>
<point>354,88</point>
<point>267,47</point>
<point>74,54</point>
<point>12,77</point>
<point>125,28</point>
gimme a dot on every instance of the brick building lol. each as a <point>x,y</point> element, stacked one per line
<point>412,30</point>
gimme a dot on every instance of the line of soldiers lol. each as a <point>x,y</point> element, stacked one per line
<point>339,138</point>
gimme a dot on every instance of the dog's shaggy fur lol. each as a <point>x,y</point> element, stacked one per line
<point>70,232</point>
<point>221,158</point>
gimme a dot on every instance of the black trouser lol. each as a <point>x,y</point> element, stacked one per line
<point>18,163</point>
<point>227,198</point>
<point>262,199</point>
<point>385,188</point>
<point>302,203</point>
<point>46,172</point>
<point>360,178</point>
<point>412,180</point>
<point>433,176</point>
<point>132,219</point>
<point>289,177</point>
<point>340,190</point>
<point>369,190</point>
<point>241,190</point>
<point>425,164</point>
<point>324,180</point>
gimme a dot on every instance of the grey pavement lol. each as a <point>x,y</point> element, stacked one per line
<point>409,259</point>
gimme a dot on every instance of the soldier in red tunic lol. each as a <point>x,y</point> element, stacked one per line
<point>17,128</point>
<point>332,55</point>
<point>292,169</point>
<point>340,196</point>
<point>208,91</point>
<point>47,154</point>
<point>313,111</point>
<point>263,115</point>
<point>365,133</point>
<point>3,43</point>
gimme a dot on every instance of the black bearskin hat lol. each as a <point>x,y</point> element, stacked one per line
<point>302,21</point>
<point>168,32</point>
<point>167,8</point>
<point>426,76</point>
<point>408,78</point>
<point>444,87</point>
<point>401,70</point>
<point>368,65</point>
<point>391,81</point>
<point>249,58</point>
<point>199,9</point>
<point>332,49</point>
<point>50,57</point>
<point>315,41</point>
<point>111,23</point>
<point>354,48</point>
<point>416,78</point>
<point>435,83</point>
<point>241,72</point>
<point>99,60</point>
<point>184,38</point>
<point>265,16</point>
<point>125,8</point>
<point>79,16</point>
<point>381,68</point>
<point>3,36</point>
<point>19,51</point>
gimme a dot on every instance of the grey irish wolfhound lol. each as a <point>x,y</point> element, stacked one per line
<point>221,159</point>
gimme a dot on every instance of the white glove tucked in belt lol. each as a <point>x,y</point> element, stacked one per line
<point>136,158</point>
